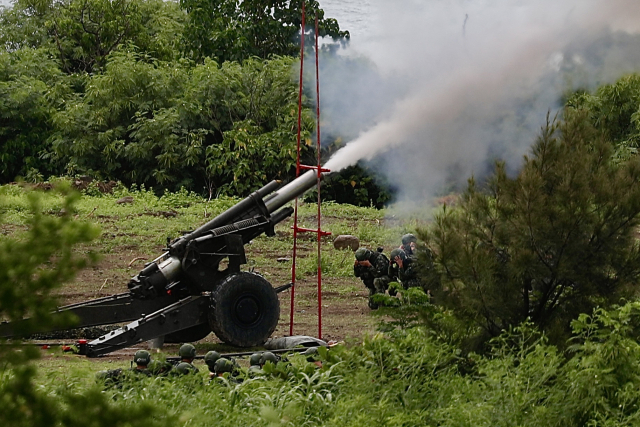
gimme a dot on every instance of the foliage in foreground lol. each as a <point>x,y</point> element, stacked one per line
<point>555,241</point>
<point>32,265</point>
<point>409,375</point>
<point>416,377</point>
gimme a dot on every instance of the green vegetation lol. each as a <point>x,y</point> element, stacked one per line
<point>411,377</point>
<point>555,241</point>
<point>532,315</point>
<point>158,93</point>
<point>416,372</point>
<point>33,265</point>
<point>233,30</point>
<point>613,109</point>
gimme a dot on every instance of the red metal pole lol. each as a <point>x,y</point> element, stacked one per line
<point>295,216</point>
<point>319,178</point>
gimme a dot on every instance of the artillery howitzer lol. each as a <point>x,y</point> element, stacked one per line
<point>183,294</point>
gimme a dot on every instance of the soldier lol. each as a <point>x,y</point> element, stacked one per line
<point>409,242</point>
<point>210,359</point>
<point>224,365</point>
<point>372,268</point>
<point>255,369</point>
<point>402,267</point>
<point>187,354</point>
<point>268,356</point>
<point>110,378</point>
<point>255,358</point>
<point>142,358</point>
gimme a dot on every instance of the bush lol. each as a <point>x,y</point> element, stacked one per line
<point>553,242</point>
<point>31,266</point>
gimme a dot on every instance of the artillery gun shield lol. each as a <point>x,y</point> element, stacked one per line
<point>245,310</point>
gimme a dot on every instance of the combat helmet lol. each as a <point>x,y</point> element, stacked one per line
<point>408,238</point>
<point>397,252</point>
<point>254,360</point>
<point>267,356</point>
<point>223,365</point>
<point>363,254</point>
<point>187,351</point>
<point>210,358</point>
<point>185,368</point>
<point>142,357</point>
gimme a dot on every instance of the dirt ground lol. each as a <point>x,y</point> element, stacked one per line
<point>345,314</point>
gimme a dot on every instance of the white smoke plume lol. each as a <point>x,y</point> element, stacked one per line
<point>461,82</point>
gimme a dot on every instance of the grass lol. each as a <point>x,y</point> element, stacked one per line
<point>135,233</point>
<point>407,377</point>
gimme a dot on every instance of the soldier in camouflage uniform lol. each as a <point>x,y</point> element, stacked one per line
<point>187,354</point>
<point>210,360</point>
<point>372,268</point>
<point>402,268</point>
<point>142,358</point>
<point>409,242</point>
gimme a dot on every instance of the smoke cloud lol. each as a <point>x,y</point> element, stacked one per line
<point>443,87</point>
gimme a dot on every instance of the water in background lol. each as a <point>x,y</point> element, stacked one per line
<point>356,16</point>
<point>351,15</point>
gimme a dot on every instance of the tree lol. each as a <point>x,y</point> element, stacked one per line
<point>615,109</point>
<point>82,33</point>
<point>226,128</point>
<point>546,245</point>
<point>85,32</point>
<point>31,267</point>
<point>234,30</point>
<point>32,88</point>
<point>356,185</point>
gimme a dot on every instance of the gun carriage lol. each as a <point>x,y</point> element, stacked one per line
<point>183,295</point>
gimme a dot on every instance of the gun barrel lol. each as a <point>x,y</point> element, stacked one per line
<point>244,209</point>
<point>295,188</point>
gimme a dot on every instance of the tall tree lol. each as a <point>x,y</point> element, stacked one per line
<point>32,88</point>
<point>615,109</point>
<point>553,242</point>
<point>83,33</point>
<point>234,30</point>
<point>165,124</point>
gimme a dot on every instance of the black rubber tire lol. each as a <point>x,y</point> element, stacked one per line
<point>245,310</point>
<point>192,334</point>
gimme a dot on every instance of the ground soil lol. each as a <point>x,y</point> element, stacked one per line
<point>345,315</point>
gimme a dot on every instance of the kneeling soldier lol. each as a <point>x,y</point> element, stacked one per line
<point>142,358</point>
<point>187,354</point>
<point>372,268</point>
<point>402,267</point>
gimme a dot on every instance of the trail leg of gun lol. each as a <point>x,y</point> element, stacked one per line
<point>188,312</point>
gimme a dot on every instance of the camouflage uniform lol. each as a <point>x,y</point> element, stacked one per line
<point>160,368</point>
<point>142,372</point>
<point>187,353</point>
<point>407,275</point>
<point>142,358</point>
<point>375,277</point>
<point>185,368</point>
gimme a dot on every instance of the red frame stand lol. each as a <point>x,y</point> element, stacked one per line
<point>299,167</point>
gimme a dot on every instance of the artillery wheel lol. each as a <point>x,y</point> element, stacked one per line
<point>245,310</point>
<point>192,334</point>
